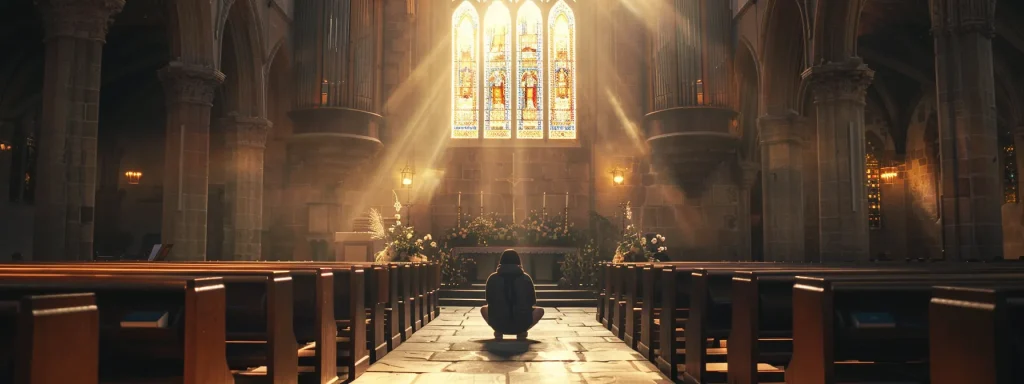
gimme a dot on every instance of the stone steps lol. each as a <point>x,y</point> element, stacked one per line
<point>548,295</point>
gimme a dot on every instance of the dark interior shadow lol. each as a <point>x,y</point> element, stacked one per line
<point>508,348</point>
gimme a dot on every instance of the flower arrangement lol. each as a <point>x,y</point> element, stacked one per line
<point>400,241</point>
<point>634,247</point>
<point>579,269</point>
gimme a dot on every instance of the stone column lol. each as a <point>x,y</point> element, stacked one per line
<point>66,190</point>
<point>748,172</point>
<point>243,186</point>
<point>839,89</point>
<point>968,139</point>
<point>782,186</point>
<point>189,92</point>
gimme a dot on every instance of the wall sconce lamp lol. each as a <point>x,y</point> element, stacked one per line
<point>4,147</point>
<point>618,177</point>
<point>133,177</point>
<point>407,176</point>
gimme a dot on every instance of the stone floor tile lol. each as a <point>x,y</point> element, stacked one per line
<point>431,347</point>
<point>408,355</point>
<point>423,339</point>
<point>461,378</point>
<point>408,366</point>
<point>486,367</point>
<point>590,347</point>
<point>437,332</point>
<point>612,356</point>
<point>584,339</point>
<point>625,377</point>
<point>599,366</point>
<point>645,366</point>
<point>570,309</point>
<point>459,347</point>
<point>546,366</point>
<point>544,378</point>
<point>386,378</point>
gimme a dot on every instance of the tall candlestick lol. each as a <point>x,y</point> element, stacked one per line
<point>460,198</point>
<point>545,200</point>
<point>481,202</point>
<point>567,199</point>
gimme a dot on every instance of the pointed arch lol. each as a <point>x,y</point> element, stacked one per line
<point>530,75</point>
<point>465,75</point>
<point>562,72</point>
<point>497,69</point>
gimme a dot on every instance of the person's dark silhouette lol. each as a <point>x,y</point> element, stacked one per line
<point>511,297</point>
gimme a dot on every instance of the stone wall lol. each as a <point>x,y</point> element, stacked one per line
<point>922,181</point>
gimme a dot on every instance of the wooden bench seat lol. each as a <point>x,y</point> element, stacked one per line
<point>50,339</point>
<point>189,350</point>
<point>259,314</point>
<point>976,333</point>
<point>867,328</point>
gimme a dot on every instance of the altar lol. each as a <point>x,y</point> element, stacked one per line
<point>542,263</point>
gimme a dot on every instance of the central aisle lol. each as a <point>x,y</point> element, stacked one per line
<point>568,346</point>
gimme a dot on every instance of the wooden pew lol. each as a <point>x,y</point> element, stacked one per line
<point>676,308</point>
<point>867,328</point>
<point>259,314</point>
<point>976,334</point>
<point>376,298</point>
<point>600,291</point>
<point>190,350</point>
<point>50,339</point>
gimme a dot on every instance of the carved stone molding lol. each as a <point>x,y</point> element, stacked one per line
<point>81,19</point>
<point>775,129</point>
<point>840,81</point>
<point>188,83</point>
<point>246,132</point>
<point>964,17</point>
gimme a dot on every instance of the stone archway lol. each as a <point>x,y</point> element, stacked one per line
<point>784,57</point>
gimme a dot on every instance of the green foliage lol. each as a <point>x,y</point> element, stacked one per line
<point>579,270</point>
<point>454,269</point>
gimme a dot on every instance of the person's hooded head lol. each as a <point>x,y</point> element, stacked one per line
<point>510,262</point>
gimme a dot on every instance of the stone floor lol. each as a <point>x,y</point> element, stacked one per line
<point>568,346</point>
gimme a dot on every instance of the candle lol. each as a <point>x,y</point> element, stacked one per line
<point>567,199</point>
<point>460,198</point>
<point>481,202</point>
<point>545,199</point>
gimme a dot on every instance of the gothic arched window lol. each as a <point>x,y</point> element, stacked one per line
<point>527,75</point>
<point>874,189</point>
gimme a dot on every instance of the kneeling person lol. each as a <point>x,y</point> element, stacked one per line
<point>511,297</point>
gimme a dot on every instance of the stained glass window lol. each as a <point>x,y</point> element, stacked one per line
<point>497,68</point>
<point>465,76</point>
<point>562,70</point>
<point>1010,192</point>
<point>531,60</point>
<point>874,188</point>
<point>529,51</point>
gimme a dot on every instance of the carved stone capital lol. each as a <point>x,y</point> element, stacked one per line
<point>81,19</point>
<point>246,132</point>
<point>191,84</point>
<point>963,17</point>
<point>776,129</point>
<point>840,81</point>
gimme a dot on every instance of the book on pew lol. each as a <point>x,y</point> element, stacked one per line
<point>144,320</point>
